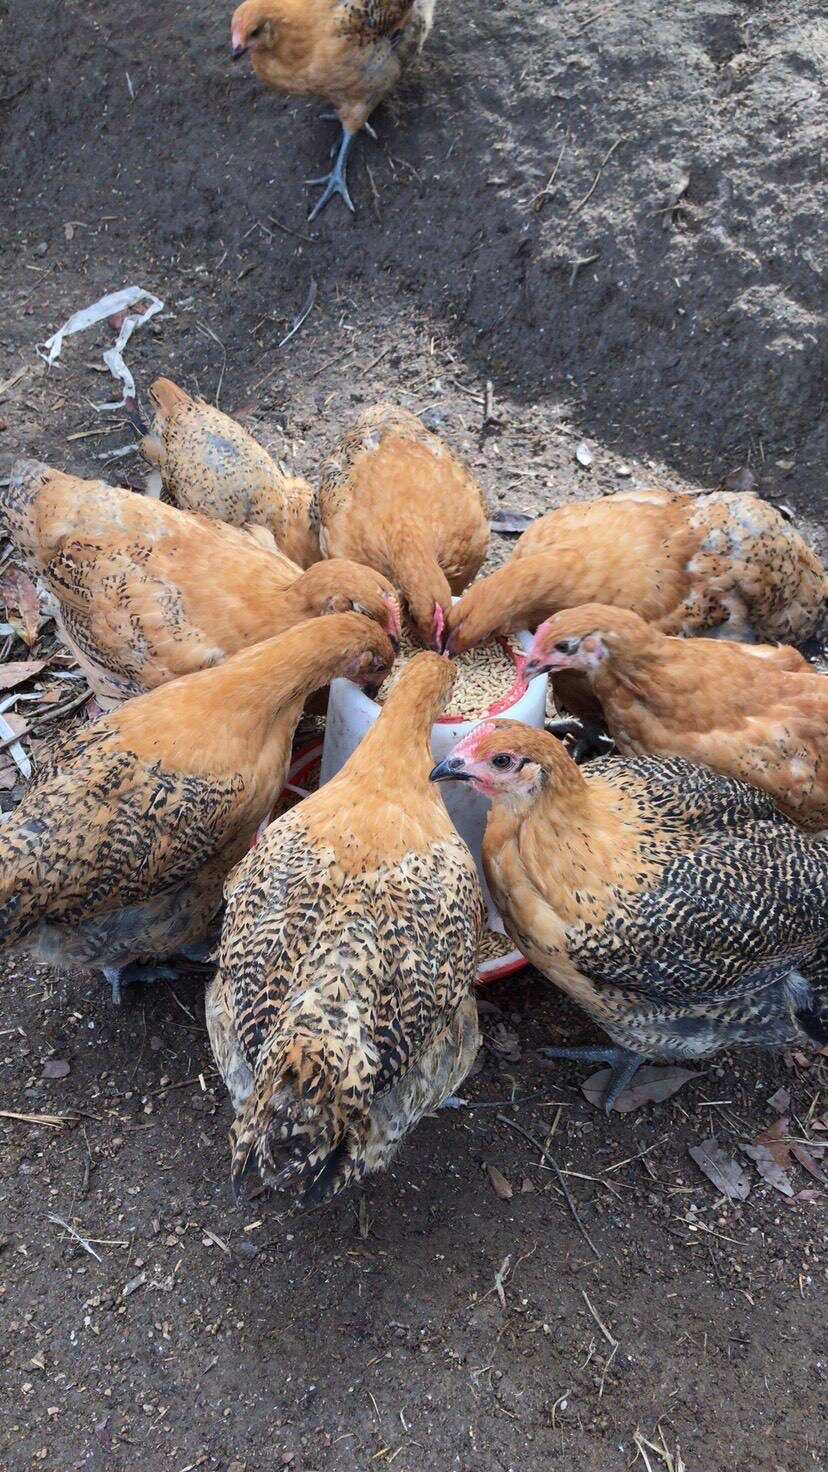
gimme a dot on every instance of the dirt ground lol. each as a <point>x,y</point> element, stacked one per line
<point>661,299</point>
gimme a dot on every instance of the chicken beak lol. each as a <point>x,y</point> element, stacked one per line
<point>449,770</point>
<point>237,52</point>
<point>532,668</point>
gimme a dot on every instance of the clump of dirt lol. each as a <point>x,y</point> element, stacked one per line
<point>613,214</point>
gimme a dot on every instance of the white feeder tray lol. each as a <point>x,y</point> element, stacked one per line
<point>351,713</point>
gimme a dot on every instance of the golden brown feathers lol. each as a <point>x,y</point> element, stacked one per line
<point>342,1009</point>
<point>208,463</point>
<point>394,495</point>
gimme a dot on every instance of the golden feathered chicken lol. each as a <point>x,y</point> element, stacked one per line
<point>146,592</point>
<point>208,463</point>
<point>753,711</point>
<point>119,849</point>
<point>726,564</point>
<point>350,53</point>
<point>678,907</point>
<point>394,496</point>
<point>342,1010</point>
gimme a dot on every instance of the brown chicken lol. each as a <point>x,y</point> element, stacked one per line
<point>394,496</point>
<point>678,907</point>
<point>756,712</point>
<point>723,564</point>
<point>120,847</point>
<point>350,53</point>
<point>342,1011</point>
<point>208,463</point>
<point>146,592</point>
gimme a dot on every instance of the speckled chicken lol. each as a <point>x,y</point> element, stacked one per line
<point>394,496</point>
<point>208,463</point>
<point>342,1011</point>
<point>753,711</point>
<point>119,849</point>
<point>678,907</point>
<point>723,564</point>
<point>349,53</point>
<point>146,592</point>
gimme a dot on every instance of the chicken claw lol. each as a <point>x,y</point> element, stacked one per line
<point>335,182</point>
<point>624,1063</point>
<point>121,976</point>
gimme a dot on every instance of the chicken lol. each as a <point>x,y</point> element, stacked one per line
<point>342,1009</point>
<point>350,53</point>
<point>709,700</point>
<point>146,593</point>
<point>679,908</point>
<point>724,564</point>
<point>394,496</point>
<point>120,847</point>
<point>208,463</point>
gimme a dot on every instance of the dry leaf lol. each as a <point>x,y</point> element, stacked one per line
<point>780,1100</point>
<point>583,455</point>
<point>768,1168</point>
<point>806,1160</point>
<point>21,593</point>
<point>509,523</point>
<point>55,1068</point>
<point>500,1183</point>
<point>775,1140</point>
<point>809,1195</point>
<point>526,1186</point>
<point>725,1172</point>
<point>19,670</point>
<point>650,1086</point>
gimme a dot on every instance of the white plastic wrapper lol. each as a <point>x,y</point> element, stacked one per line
<point>108,306</point>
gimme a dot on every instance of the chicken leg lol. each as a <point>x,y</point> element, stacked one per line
<point>624,1063</point>
<point>121,976</point>
<point>335,182</point>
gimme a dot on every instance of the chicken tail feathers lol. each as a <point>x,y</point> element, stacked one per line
<point>814,1023</point>
<point>304,1124</point>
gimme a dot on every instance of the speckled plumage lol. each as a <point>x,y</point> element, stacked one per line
<point>342,1009</point>
<point>726,563</point>
<point>678,907</point>
<point>758,712</point>
<point>147,592</point>
<point>398,499</point>
<point>208,463</point>
<point>120,847</point>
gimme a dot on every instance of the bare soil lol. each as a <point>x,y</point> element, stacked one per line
<point>662,301</point>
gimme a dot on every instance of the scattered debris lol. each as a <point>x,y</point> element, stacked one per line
<point>133,1285</point>
<point>768,1168</point>
<point>510,523</point>
<point>780,1100</point>
<point>107,306</point>
<point>84,1242</point>
<point>55,1068</point>
<point>651,1085</point>
<point>305,313</point>
<point>583,454</point>
<point>18,671</point>
<point>725,1172</point>
<point>502,1187</point>
<point>20,592</point>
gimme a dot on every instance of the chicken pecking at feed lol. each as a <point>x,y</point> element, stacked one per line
<point>724,564</point>
<point>119,849</point>
<point>753,711</point>
<point>342,1010</point>
<point>395,497</point>
<point>146,593</point>
<point>349,53</point>
<point>678,907</point>
<point>208,463</point>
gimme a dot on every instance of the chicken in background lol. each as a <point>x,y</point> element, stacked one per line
<point>753,711</point>
<point>119,849</point>
<point>349,53</point>
<point>679,908</point>
<point>723,564</point>
<point>342,1011</point>
<point>394,496</point>
<point>146,592</point>
<point>208,463</point>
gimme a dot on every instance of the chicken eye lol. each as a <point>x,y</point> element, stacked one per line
<point>256,32</point>
<point>502,761</point>
<point>566,646</point>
